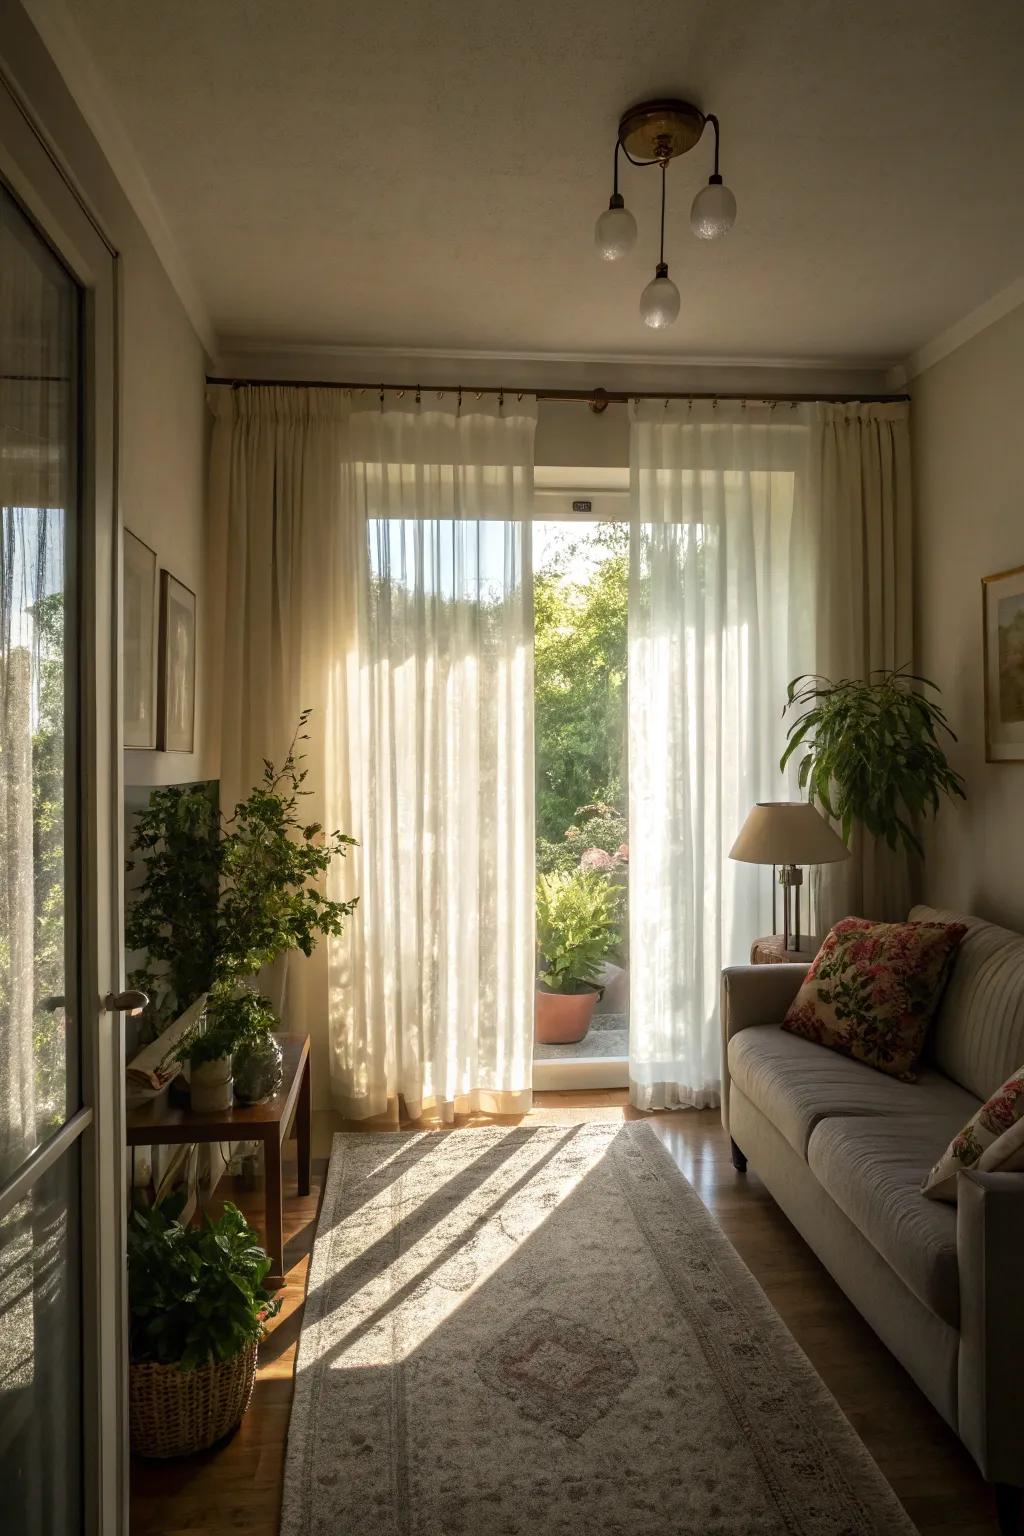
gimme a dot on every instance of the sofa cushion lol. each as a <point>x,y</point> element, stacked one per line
<point>796,1084</point>
<point>873,1168</point>
<point>978,1034</point>
<point>873,989</point>
<point>992,1140</point>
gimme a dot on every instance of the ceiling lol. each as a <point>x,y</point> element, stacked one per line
<point>426,173</point>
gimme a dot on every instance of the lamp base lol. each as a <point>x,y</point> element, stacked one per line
<point>791,878</point>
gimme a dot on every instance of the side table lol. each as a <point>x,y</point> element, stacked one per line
<point>271,1123</point>
<point>770,951</point>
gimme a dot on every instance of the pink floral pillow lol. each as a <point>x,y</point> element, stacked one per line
<point>991,1139</point>
<point>873,989</point>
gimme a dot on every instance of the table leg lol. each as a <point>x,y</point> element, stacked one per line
<point>304,1131</point>
<point>274,1214</point>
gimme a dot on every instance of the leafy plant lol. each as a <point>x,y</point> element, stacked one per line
<point>577,927</point>
<point>195,1294</point>
<point>871,752</point>
<point>223,897</point>
<point>232,1020</point>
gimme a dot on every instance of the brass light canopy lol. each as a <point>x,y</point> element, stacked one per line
<point>656,132</point>
<point>660,130</point>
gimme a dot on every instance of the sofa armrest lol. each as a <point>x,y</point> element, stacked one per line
<point>753,995</point>
<point>990,1258</point>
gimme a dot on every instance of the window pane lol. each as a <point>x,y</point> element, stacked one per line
<point>38,344</point>
<point>40,1357</point>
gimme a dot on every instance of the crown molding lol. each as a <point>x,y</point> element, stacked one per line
<point>55,24</point>
<point>267,351</point>
<point>957,335</point>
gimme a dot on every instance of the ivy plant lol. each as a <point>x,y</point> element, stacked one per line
<point>871,752</point>
<point>577,928</point>
<point>195,1294</point>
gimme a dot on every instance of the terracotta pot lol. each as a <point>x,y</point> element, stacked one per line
<point>561,1018</point>
<point>211,1087</point>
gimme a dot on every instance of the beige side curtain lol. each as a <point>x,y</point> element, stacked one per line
<point>375,567</point>
<point>860,507</point>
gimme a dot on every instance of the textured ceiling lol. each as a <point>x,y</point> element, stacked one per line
<point>428,174</point>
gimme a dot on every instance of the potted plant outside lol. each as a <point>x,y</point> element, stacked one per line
<point>871,752</point>
<point>198,1309</point>
<point>577,928</point>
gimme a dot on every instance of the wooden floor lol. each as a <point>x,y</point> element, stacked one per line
<point>238,1487</point>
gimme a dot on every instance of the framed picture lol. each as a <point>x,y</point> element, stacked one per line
<point>140,598</point>
<point>177,700</point>
<point>1003,600</point>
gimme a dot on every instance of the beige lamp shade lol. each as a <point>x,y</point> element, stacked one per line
<point>787,832</point>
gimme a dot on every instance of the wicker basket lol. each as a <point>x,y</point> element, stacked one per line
<point>174,1412</point>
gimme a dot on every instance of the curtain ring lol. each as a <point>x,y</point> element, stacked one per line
<point>417,394</point>
<point>714,404</point>
<point>519,395</point>
<point>382,397</point>
<point>772,404</point>
<point>401,394</point>
<point>792,405</point>
<point>501,399</point>
<point>666,402</point>
<point>459,407</point>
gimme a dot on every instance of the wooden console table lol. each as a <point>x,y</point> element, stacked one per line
<point>271,1123</point>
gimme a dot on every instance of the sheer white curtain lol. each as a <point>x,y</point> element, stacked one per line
<point>376,566</point>
<point>445,1017</point>
<point>721,617</point>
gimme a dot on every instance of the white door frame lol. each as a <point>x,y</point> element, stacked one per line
<point>39,182</point>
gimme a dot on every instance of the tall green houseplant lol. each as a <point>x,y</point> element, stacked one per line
<point>222,897</point>
<point>871,752</point>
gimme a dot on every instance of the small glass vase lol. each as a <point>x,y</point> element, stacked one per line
<point>258,1071</point>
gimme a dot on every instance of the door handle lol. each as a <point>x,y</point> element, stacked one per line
<point>130,1002</point>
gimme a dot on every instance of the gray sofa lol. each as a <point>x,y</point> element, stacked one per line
<point>843,1149</point>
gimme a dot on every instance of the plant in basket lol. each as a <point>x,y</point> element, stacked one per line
<point>198,1309</point>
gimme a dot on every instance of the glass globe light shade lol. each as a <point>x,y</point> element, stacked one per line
<point>659,302</point>
<point>713,212</point>
<point>615,231</point>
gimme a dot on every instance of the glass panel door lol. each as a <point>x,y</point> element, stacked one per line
<point>41,1115</point>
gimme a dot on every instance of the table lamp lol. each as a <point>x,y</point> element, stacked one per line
<point>787,834</point>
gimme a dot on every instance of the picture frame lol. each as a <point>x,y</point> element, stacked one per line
<point>176,709</point>
<point>1002,598</point>
<point>139,682</point>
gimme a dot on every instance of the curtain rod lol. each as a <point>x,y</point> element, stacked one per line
<point>597,399</point>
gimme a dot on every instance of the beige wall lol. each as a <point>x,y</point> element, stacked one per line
<point>163,364</point>
<point>968,433</point>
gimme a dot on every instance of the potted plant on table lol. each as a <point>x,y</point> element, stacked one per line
<point>222,898</point>
<point>198,1310</point>
<point>577,928</point>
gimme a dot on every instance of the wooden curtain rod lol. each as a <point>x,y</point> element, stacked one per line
<point>597,399</point>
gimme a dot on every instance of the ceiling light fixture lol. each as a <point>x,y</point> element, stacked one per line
<point>653,133</point>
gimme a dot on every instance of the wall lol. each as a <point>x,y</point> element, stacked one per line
<point>967,418</point>
<point>163,365</point>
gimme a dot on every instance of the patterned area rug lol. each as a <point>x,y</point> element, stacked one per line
<point>544,1331</point>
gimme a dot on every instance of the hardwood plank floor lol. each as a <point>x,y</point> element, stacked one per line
<point>238,1487</point>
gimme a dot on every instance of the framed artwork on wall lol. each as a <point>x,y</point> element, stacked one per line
<point>177,699</point>
<point>1003,606</point>
<point>140,600</point>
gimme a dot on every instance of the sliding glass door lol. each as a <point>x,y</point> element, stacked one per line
<point>61,1211</point>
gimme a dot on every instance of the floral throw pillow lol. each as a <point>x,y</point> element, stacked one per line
<point>873,989</point>
<point>991,1139</point>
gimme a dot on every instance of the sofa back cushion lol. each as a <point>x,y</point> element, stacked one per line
<point>977,1037</point>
